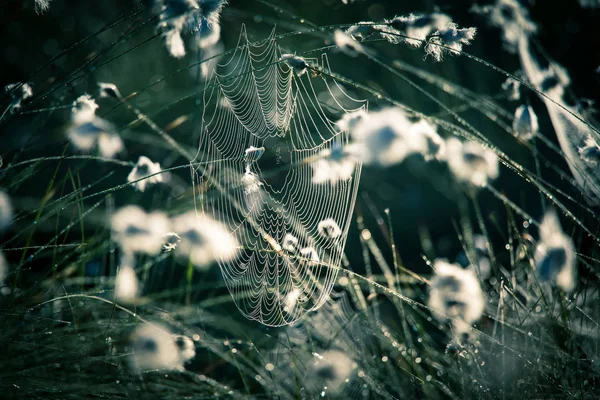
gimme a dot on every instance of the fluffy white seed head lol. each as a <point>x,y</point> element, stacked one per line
<point>298,64</point>
<point>170,241</point>
<point>450,39</point>
<point>174,43</point>
<point>346,44</point>
<point>555,258</point>
<point>111,90</point>
<point>138,231</point>
<point>185,347</point>
<point>335,164</point>
<point>471,163</point>
<point>456,293</point>
<point>329,229</point>
<point>153,348</point>
<point>126,284</point>
<point>331,369</point>
<point>525,124</point>
<point>512,89</point>
<point>290,243</point>
<point>19,92</point>
<point>145,167</point>
<point>590,152</point>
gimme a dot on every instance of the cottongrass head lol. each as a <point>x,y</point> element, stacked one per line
<point>153,348</point>
<point>204,240</point>
<point>350,120</point>
<point>388,136</point>
<point>555,254</point>
<point>456,293</point>
<point>145,168</point>
<point>329,229</point>
<point>471,163</point>
<point>449,40</point>
<point>185,347</point>
<point>414,28</point>
<point>139,232</point>
<point>126,283</point>
<point>334,164</point>
<point>346,44</point>
<point>251,182</point>
<point>332,370</point>
<point>361,31</point>
<point>6,211</point>
<point>297,64</point>
<point>590,152</point>
<point>290,243</point>
<point>108,90</point>
<point>18,92</point>
<point>525,124</point>
<point>252,154</point>
<point>512,88</point>
<point>170,241</point>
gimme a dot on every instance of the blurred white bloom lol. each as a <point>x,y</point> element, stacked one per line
<point>170,241</point>
<point>455,292</point>
<point>525,124</point>
<point>207,33</point>
<point>484,265</point>
<point>469,162</point>
<point>347,44</point>
<point>511,17</point>
<point>388,136</point>
<point>186,348</point>
<point>203,239</point>
<point>555,254</point>
<point>153,348</point>
<point>87,130</point>
<point>309,256</point>
<point>435,146</point>
<point>290,243</point>
<point>251,182</point>
<point>512,89</point>
<point>298,64</point>
<point>6,211</point>
<point>349,120</point>
<point>126,284</point>
<point>290,300</point>
<point>145,167</point>
<point>138,231</point>
<point>335,164</point>
<point>253,154</point>
<point>20,92</point>
<point>108,90</point>
<point>416,28</point>
<point>174,43</point>
<point>449,40</point>
<point>329,229</point>
<point>590,153</point>
<point>331,369</point>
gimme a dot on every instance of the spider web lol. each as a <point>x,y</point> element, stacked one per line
<point>254,99</point>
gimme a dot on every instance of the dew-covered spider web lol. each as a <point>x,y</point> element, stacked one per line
<point>287,263</point>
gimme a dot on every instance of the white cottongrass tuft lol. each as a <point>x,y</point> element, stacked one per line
<point>525,124</point>
<point>456,293</point>
<point>346,44</point>
<point>290,300</point>
<point>207,33</point>
<point>6,211</point>
<point>185,347</point>
<point>332,369</point>
<point>41,6</point>
<point>329,229</point>
<point>251,182</point>
<point>335,164</point>
<point>590,152</point>
<point>555,254</point>
<point>512,89</point>
<point>290,243</point>
<point>471,163</point>
<point>139,232</point>
<point>174,43</point>
<point>350,120</point>
<point>449,39</point>
<point>153,348</point>
<point>298,64</point>
<point>360,31</point>
<point>203,239</point>
<point>87,130</point>
<point>253,154</point>
<point>388,136</point>
<point>511,18</point>
<point>20,91</point>
<point>144,168</point>
<point>126,283</point>
<point>309,256</point>
<point>170,241</point>
<point>413,29</point>
<point>108,90</point>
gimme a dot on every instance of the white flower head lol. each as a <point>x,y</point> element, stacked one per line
<point>309,256</point>
<point>109,144</point>
<point>291,299</point>
<point>555,254</point>
<point>170,241</point>
<point>416,28</point>
<point>511,18</point>
<point>388,136</point>
<point>84,109</point>
<point>360,31</point>
<point>138,231</point>
<point>20,91</point>
<point>455,292</point>
<point>435,146</point>
<point>525,123</point>
<point>590,152</point>
<point>329,229</point>
<point>335,164</point>
<point>6,211</point>
<point>174,43</point>
<point>332,369</point>
<point>298,64</point>
<point>450,39</point>
<point>290,243</point>
<point>153,347</point>
<point>346,44</point>
<point>251,182</point>
<point>207,33</point>
<point>144,168</point>
<point>203,239</point>
<point>108,90</point>
<point>126,284</point>
<point>185,347</point>
<point>471,163</point>
<point>350,120</point>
